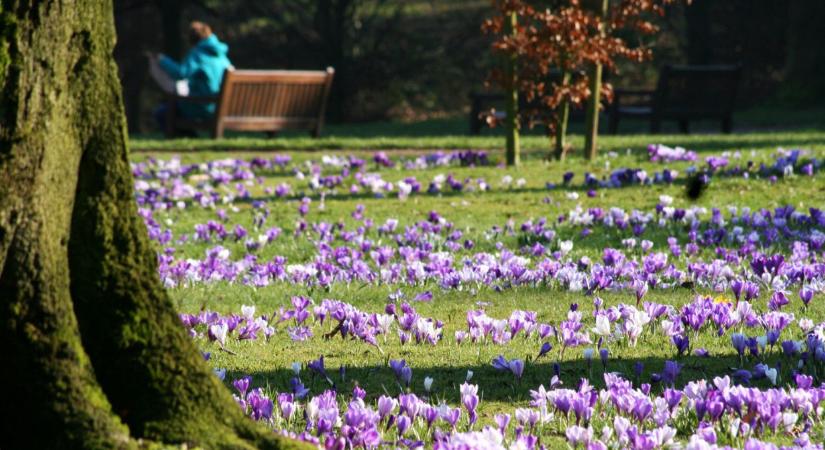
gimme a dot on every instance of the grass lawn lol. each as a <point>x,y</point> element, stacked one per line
<point>474,214</point>
<point>763,127</point>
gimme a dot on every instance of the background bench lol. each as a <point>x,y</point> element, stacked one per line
<point>261,100</point>
<point>683,93</point>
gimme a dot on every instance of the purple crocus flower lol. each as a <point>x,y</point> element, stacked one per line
<point>739,342</point>
<point>500,363</point>
<point>736,286</point>
<point>260,405</point>
<point>517,368</point>
<point>358,392</point>
<point>469,399</point>
<point>545,348</point>
<point>403,424</point>
<point>406,375</point>
<point>778,300</point>
<point>386,405</point>
<point>242,385</point>
<point>742,376</point>
<point>502,421</point>
<point>671,372</point>
<point>681,342</point>
<point>638,368</point>
<point>806,294</point>
<point>791,348</point>
<point>298,388</point>
<point>425,296</point>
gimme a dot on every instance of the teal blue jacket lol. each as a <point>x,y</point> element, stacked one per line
<point>203,68</point>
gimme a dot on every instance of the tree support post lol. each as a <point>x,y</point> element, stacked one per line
<point>513,154</point>
<point>561,121</point>
<point>592,112</point>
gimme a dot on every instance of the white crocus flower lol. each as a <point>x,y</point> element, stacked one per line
<point>771,374</point>
<point>602,327</point>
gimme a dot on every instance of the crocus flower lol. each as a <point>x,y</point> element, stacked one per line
<point>428,383</point>
<point>806,294</point>
<point>671,372</point>
<point>469,398</point>
<point>502,420</point>
<point>242,385</point>
<point>517,368</point>
<point>386,405</point>
<point>603,355</point>
<point>681,342</point>
<point>317,366</point>
<point>218,333</point>
<point>403,424</point>
<point>545,348</point>
<point>739,342</point>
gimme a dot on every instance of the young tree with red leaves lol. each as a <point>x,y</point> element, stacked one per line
<point>559,54</point>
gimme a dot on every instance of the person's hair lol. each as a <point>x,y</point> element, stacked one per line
<point>199,30</point>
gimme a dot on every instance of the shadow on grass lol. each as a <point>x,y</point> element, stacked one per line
<point>501,386</point>
<point>534,146</point>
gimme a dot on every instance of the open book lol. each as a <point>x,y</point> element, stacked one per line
<point>165,82</point>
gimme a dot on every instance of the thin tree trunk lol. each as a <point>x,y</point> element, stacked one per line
<point>591,134</point>
<point>513,153</point>
<point>562,120</point>
<point>91,340</point>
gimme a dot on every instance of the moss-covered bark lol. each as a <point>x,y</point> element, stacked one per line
<point>91,342</point>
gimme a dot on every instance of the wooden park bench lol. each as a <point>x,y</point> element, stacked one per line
<point>260,100</point>
<point>683,93</point>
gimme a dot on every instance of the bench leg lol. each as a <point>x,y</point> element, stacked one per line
<point>727,124</point>
<point>684,126</point>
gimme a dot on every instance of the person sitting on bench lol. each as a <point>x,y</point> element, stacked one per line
<point>199,74</point>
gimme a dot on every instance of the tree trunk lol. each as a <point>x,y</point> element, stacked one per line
<point>591,134</point>
<point>562,118</point>
<point>92,344</point>
<point>511,124</point>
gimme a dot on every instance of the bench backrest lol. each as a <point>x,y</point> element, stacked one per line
<point>271,100</point>
<point>696,90</point>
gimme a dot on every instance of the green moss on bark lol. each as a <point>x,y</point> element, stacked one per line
<point>52,397</point>
<point>91,339</point>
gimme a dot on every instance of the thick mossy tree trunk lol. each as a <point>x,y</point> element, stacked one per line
<point>93,355</point>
